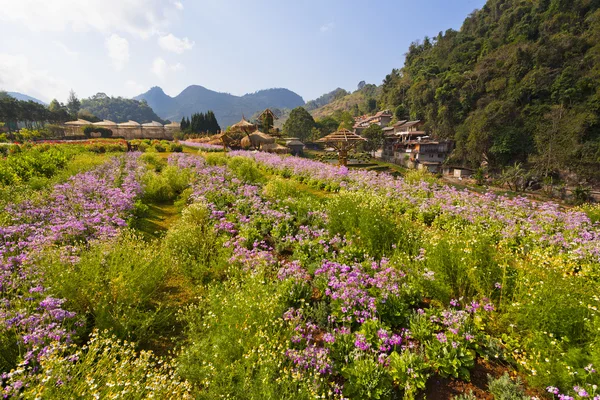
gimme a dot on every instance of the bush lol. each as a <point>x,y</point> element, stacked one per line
<point>115,285</point>
<point>366,379</point>
<point>89,129</point>
<point>105,368</point>
<point>194,247</point>
<point>246,169</point>
<point>175,148</point>
<point>165,186</point>
<point>504,388</point>
<point>235,341</point>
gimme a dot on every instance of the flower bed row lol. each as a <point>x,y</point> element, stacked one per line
<point>91,205</point>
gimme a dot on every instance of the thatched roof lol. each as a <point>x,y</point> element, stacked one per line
<point>130,123</point>
<point>153,124</point>
<point>261,137</point>
<point>275,148</point>
<point>343,135</point>
<point>79,122</point>
<point>243,126</point>
<point>105,123</point>
<point>294,142</point>
<point>245,143</point>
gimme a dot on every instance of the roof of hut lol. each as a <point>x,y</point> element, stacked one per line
<point>343,135</point>
<point>129,123</point>
<point>261,137</point>
<point>294,142</point>
<point>243,126</point>
<point>105,123</point>
<point>173,125</point>
<point>245,142</point>
<point>78,122</point>
<point>153,123</point>
<point>275,148</point>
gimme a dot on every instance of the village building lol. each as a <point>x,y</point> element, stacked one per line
<point>128,130</point>
<point>382,118</point>
<point>405,143</point>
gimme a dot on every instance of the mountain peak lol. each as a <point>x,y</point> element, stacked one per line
<point>227,108</point>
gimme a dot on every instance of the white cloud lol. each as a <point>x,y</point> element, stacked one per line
<point>142,18</point>
<point>161,68</point>
<point>134,88</point>
<point>172,43</point>
<point>17,74</point>
<point>118,50</point>
<point>327,27</point>
<point>66,49</point>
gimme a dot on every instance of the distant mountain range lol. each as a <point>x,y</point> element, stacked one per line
<point>227,108</point>
<point>24,97</point>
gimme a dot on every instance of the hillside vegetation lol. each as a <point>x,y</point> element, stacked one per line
<point>118,109</point>
<point>520,82</point>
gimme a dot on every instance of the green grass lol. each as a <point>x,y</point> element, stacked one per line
<point>157,220</point>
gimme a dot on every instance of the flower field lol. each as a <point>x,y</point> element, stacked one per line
<point>282,277</point>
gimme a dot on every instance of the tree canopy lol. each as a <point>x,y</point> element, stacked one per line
<point>520,82</point>
<point>201,123</point>
<point>299,124</point>
<point>119,109</point>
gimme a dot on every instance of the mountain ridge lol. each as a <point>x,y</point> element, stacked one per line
<point>228,108</point>
<point>24,97</point>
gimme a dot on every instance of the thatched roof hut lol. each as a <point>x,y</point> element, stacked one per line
<point>275,148</point>
<point>79,122</point>
<point>243,126</point>
<point>342,140</point>
<point>105,124</point>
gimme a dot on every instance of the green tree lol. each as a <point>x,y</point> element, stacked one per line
<point>299,124</point>
<point>346,121</point>
<point>73,104</point>
<point>374,136</point>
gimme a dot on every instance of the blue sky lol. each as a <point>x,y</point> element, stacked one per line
<point>124,47</point>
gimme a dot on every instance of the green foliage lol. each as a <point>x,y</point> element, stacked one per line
<point>246,169</point>
<point>299,124</point>
<point>89,129</point>
<point>115,284</point>
<point>504,388</point>
<point>365,217</point>
<point>201,123</point>
<point>234,343</point>
<point>366,379</point>
<point>165,186</point>
<point>73,104</point>
<point>374,135</point>
<point>517,83</point>
<point>119,109</point>
<point>104,368</point>
<point>409,371</point>
<point>194,247</point>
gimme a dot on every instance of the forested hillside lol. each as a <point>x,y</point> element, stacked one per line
<point>118,109</point>
<point>520,82</point>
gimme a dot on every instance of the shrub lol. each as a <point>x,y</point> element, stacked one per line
<point>175,147</point>
<point>89,129</point>
<point>366,379</point>
<point>105,368</point>
<point>504,388</point>
<point>165,186</point>
<point>194,246</point>
<point>246,169</point>
<point>115,284</point>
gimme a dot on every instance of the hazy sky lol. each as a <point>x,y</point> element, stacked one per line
<point>124,47</point>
